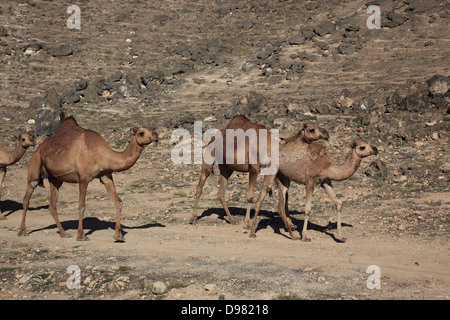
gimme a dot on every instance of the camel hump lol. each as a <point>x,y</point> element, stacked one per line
<point>238,121</point>
<point>69,121</point>
<point>242,122</point>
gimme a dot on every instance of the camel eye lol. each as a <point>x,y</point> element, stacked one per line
<point>362,148</point>
<point>23,139</point>
<point>141,133</point>
<point>312,130</point>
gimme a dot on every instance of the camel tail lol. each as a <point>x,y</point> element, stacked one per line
<point>41,182</point>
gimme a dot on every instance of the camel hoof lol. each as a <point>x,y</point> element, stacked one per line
<point>295,237</point>
<point>119,239</point>
<point>22,234</point>
<point>84,238</point>
<point>2,217</point>
<point>293,227</point>
<point>65,236</point>
<point>341,239</point>
<point>252,235</point>
<point>193,221</point>
<point>246,226</point>
<point>233,221</point>
<point>306,239</point>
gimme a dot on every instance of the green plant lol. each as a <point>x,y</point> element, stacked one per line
<point>124,269</point>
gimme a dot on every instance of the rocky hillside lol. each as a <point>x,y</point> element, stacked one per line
<point>168,63</point>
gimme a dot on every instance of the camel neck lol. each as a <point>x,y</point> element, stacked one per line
<point>126,159</point>
<point>17,153</point>
<point>339,172</point>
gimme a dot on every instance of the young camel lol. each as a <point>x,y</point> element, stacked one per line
<point>8,158</point>
<point>77,155</point>
<point>312,169</point>
<point>310,132</point>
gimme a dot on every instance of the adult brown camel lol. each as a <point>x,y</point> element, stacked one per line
<point>316,167</point>
<point>8,158</point>
<point>77,155</point>
<point>310,132</point>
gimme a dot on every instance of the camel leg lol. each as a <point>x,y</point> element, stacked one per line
<point>2,176</point>
<point>111,188</point>
<point>26,202</point>
<point>206,171</point>
<point>283,197</point>
<point>33,180</point>
<point>283,186</point>
<point>309,193</point>
<point>267,187</point>
<point>54,193</point>
<point>251,190</point>
<point>330,192</point>
<point>82,186</point>
<point>225,174</point>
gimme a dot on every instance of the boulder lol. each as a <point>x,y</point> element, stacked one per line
<point>48,113</point>
<point>129,86</point>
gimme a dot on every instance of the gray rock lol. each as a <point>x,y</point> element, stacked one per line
<point>70,97</point>
<point>346,48</point>
<point>251,104</point>
<point>308,32</point>
<point>80,85</point>
<point>129,85</point>
<point>159,287</point>
<point>153,76</point>
<point>249,65</point>
<point>265,52</point>
<point>438,85</point>
<point>61,49</point>
<point>394,20</point>
<point>247,25</point>
<point>48,115</point>
<point>3,32</point>
<point>324,28</point>
<point>297,39</point>
<point>31,48</point>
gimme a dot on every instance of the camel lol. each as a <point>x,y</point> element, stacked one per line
<point>314,168</point>
<point>310,132</point>
<point>8,158</point>
<point>77,155</point>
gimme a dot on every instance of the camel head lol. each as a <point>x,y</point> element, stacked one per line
<point>311,132</point>
<point>25,140</point>
<point>363,149</point>
<point>144,136</point>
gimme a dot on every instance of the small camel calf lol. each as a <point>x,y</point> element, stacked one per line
<point>8,158</point>
<point>310,169</point>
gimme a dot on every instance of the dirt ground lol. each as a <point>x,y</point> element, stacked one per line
<point>214,259</point>
<point>394,218</point>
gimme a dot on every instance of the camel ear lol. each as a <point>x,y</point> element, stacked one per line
<point>134,130</point>
<point>353,145</point>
